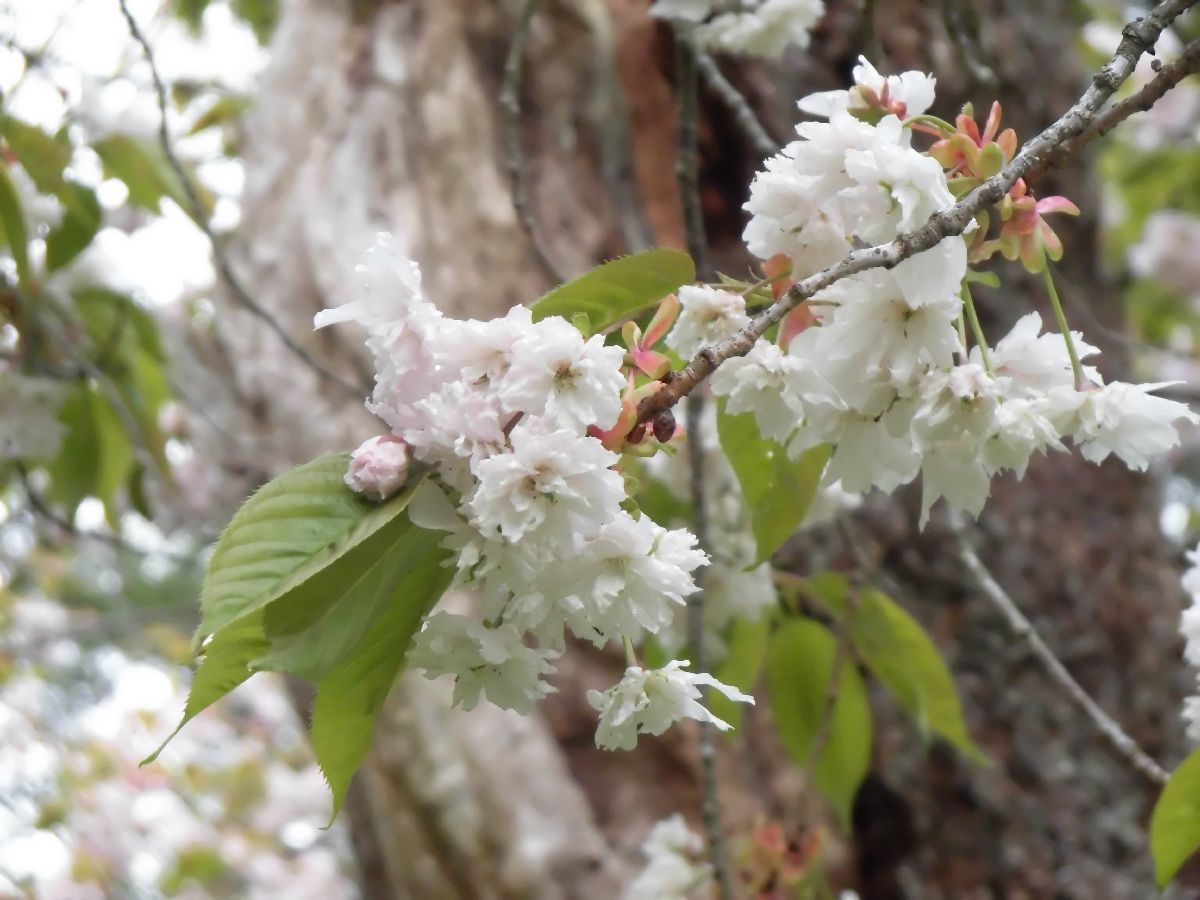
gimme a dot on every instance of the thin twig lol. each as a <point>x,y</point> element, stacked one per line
<point>196,210</point>
<point>1117,738</point>
<point>687,171</point>
<point>1169,75</point>
<point>44,511</point>
<point>510,104</point>
<point>743,114</point>
<point>1137,37</point>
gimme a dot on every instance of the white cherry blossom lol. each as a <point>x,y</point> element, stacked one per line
<point>649,701</point>
<point>490,661</point>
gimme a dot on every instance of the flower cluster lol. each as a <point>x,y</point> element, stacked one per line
<point>510,414</point>
<point>1189,627</point>
<point>752,27</point>
<point>879,367</point>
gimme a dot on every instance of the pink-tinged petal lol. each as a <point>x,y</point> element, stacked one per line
<point>993,122</point>
<point>1023,222</point>
<point>793,323</point>
<point>1057,204</point>
<point>1050,240</point>
<point>967,148</point>
<point>664,318</point>
<point>653,364</point>
<point>1019,189</point>
<point>774,268</point>
<point>1008,143</point>
<point>968,128</point>
<point>945,153</point>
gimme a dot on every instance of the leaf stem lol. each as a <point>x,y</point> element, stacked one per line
<point>976,328</point>
<point>1061,317</point>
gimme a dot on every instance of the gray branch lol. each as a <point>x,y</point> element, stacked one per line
<point>1117,738</point>
<point>1138,36</point>
<point>743,114</point>
<point>687,170</point>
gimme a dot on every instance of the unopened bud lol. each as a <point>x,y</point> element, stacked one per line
<point>664,426</point>
<point>379,468</point>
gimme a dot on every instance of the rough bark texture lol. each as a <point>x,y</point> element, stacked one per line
<point>383,116</point>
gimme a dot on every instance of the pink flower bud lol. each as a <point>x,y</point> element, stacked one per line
<point>379,468</point>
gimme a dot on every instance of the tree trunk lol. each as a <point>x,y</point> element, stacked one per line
<point>384,117</point>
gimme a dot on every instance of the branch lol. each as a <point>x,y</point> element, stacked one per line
<point>1169,75</point>
<point>743,114</point>
<point>1137,37</point>
<point>196,211</point>
<point>39,506</point>
<point>687,171</point>
<point>510,103</point>
<point>1125,745</point>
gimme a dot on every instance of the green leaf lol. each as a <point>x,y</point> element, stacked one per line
<point>741,668</point>
<point>43,157</point>
<point>81,220</point>
<point>95,457</point>
<point>310,578</point>
<point>290,530</point>
<point>143,167</point>
<point>350,696</point>
<point>225,664</point>
<point>224,109</point>
<point>777,490</point>
<point>799,665</point>
<point>318,625</point>
<point>900,653</point>
<point>260,15</point>
<point>1175,823</point>
<point>126,346</point>
<point>12,216</point>
<point>619,289</point>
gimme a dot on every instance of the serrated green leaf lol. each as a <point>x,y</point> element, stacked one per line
<point>350,696</point>
<point>619,289</point>
<point>905,659</point>
<point>81,220</point>
<point>777,490</point>
<point>741,668</point>
<point>225,664</point>
<point>800,662</point>
<point>12,216</point>
<point>41,155</point>
<point>287,532</point>
<point>902,655</point>
<point>1175,823</point>
<point>316,626</point>
<point>311,578</point>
